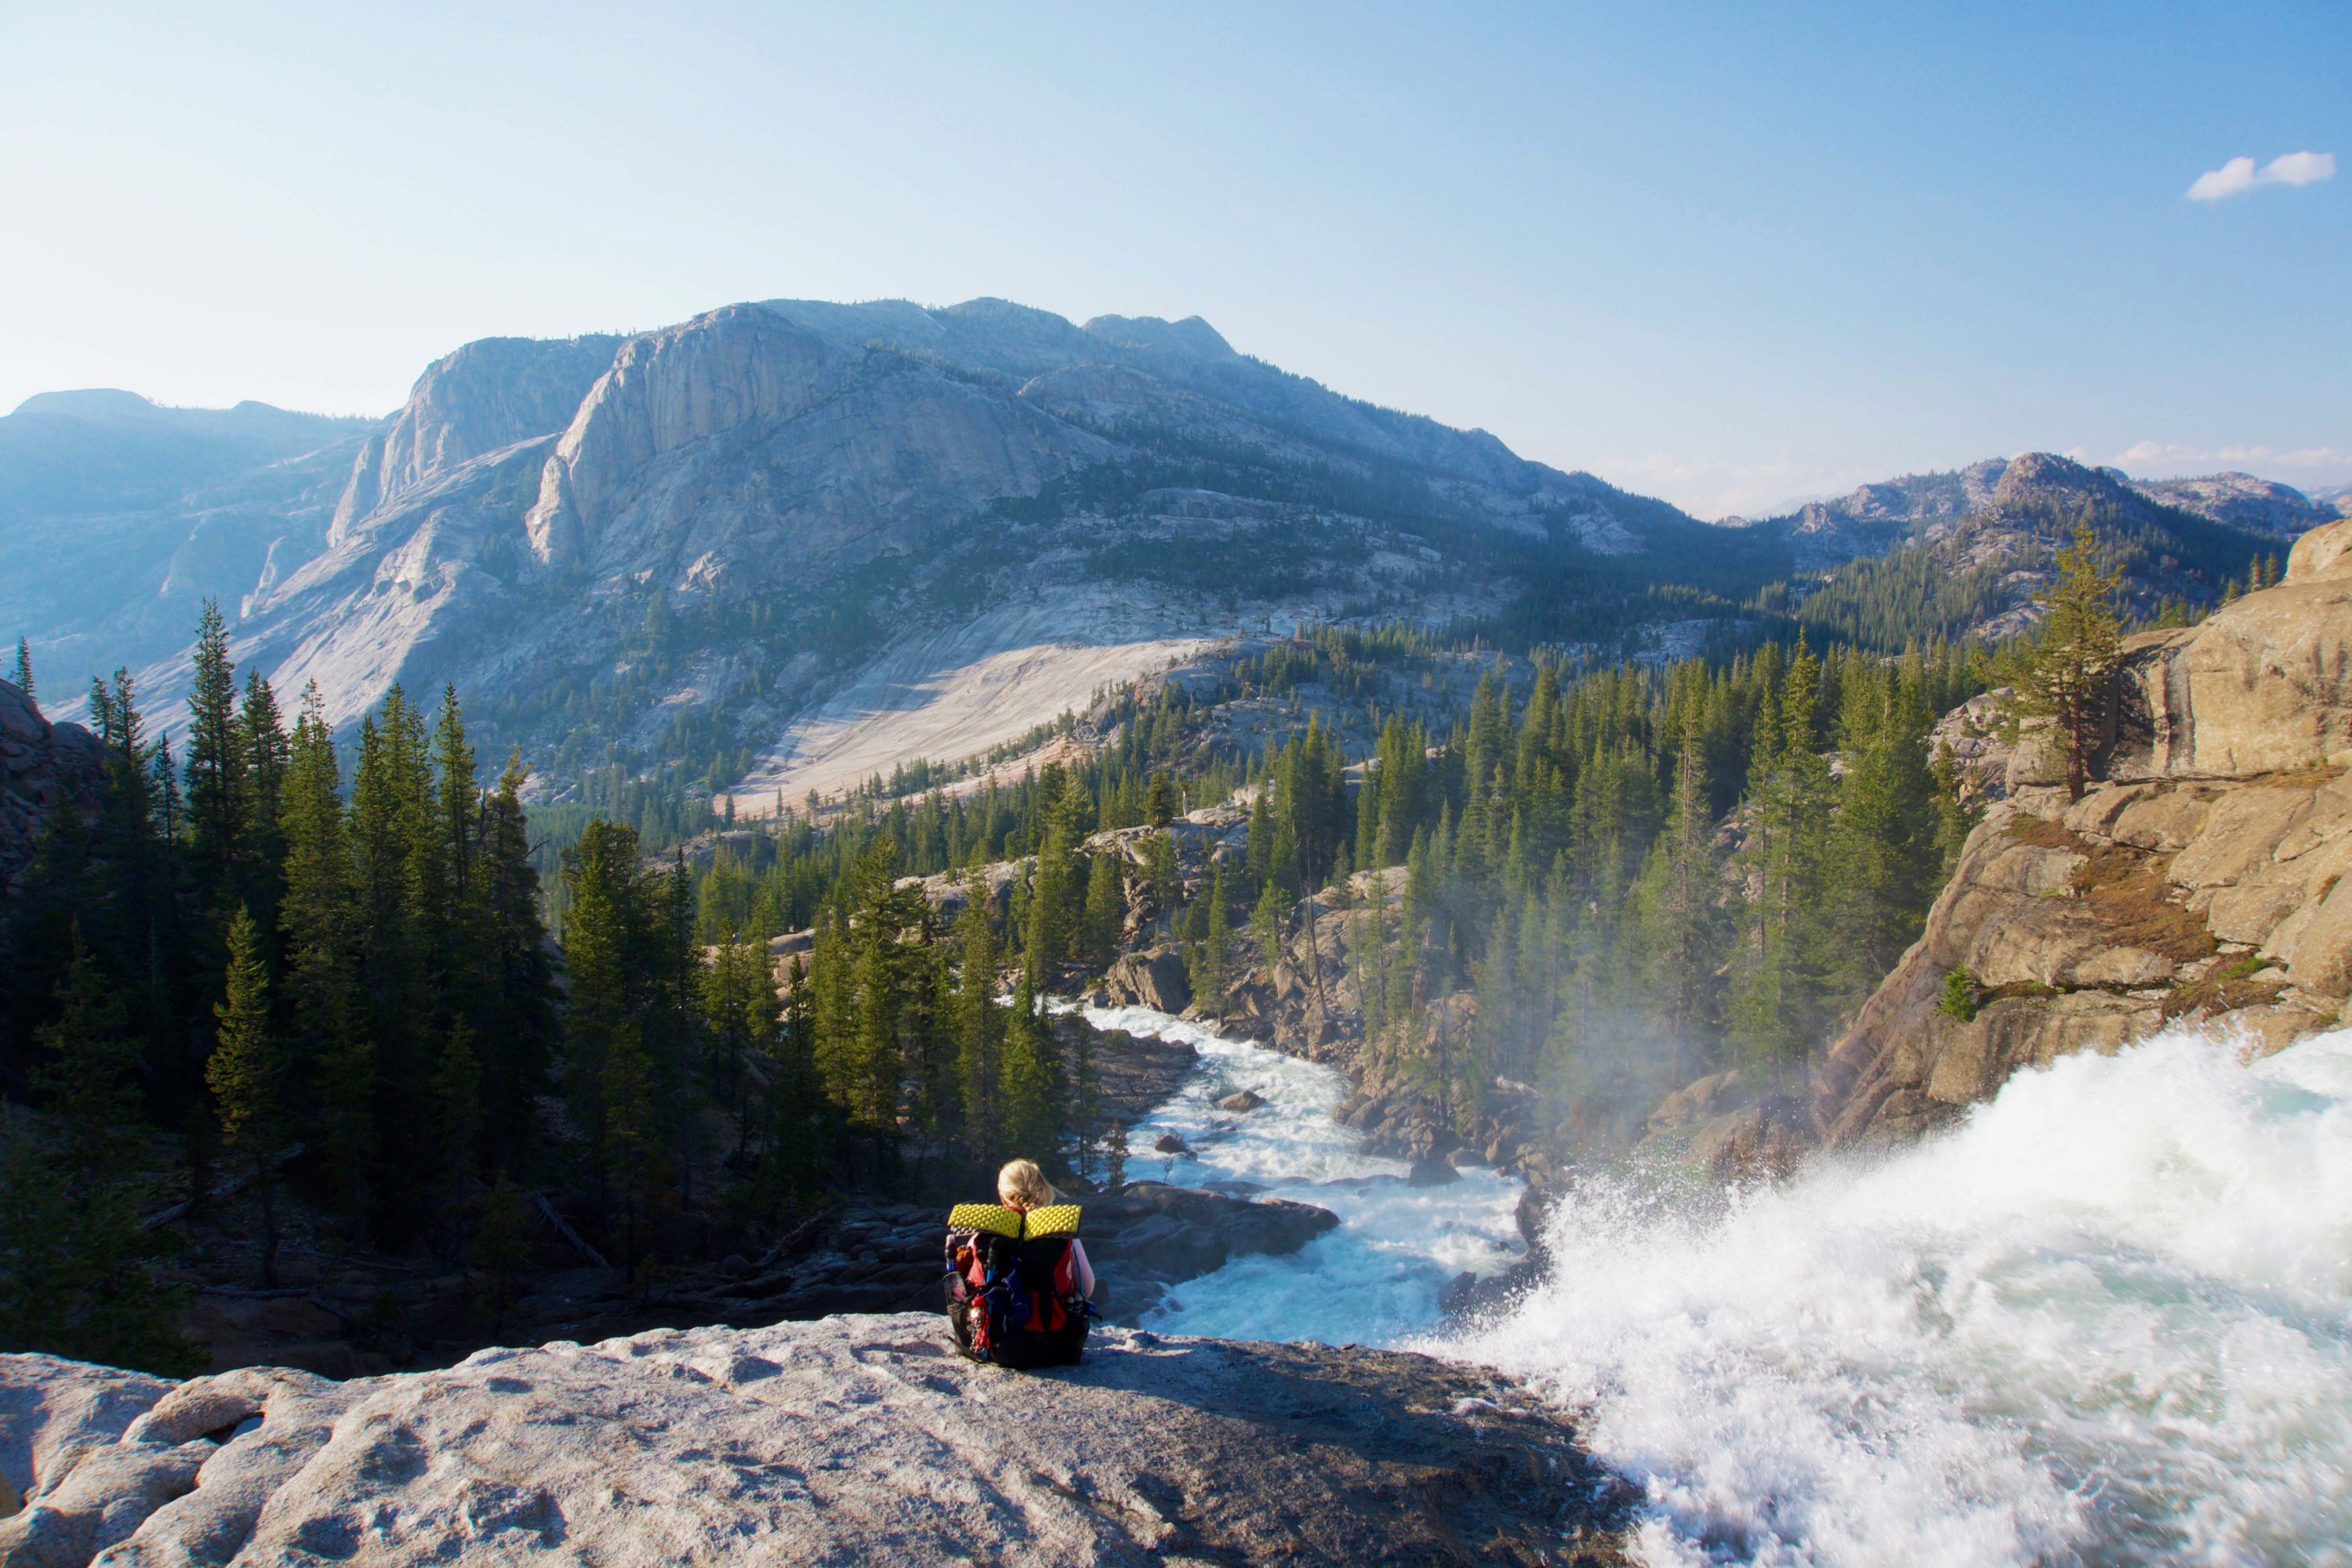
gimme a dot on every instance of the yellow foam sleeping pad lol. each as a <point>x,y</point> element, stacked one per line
<point>1055,1219</point>
<point>995,1217</point>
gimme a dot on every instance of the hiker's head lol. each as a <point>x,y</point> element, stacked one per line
<point>1022,1185</point>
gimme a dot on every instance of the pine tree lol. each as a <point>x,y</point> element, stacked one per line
<point>519,1028</point>
<point>1028,1090</point>
<point>1159,803</point>
<point>1160,869</point>
<point>24,676</point>
<point>605,938</point>
<point>1056,895</point>
<point>1105,911</point>
<point>794,1132</point>
<point>246,1076</point>
<point>979,1027</point>
<point>739,1022</point>
<point>2071,667</point>
<point>456,1090</point>
<point>1682,934</point>
<point>1266,925</point>
<point>76,1276</point>
<point>1210,958</point>
<point>1778,1004</point>
<point>1884,863</point>
<point>1115,1153</point>
<point>216,761</point>
<point>264,753</point>
<point>1953,819</point>
<point>331,1056</point>
<point>458,799</point>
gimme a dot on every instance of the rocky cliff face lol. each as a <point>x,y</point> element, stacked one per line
<point>1876,518</point>
<point>830,498</point>
<point>489,394</point>
<point>2242,500</point>
<point>45,768</point>
<point>2202,878</point>
<point>857,1439</point>
<point>743,444</point>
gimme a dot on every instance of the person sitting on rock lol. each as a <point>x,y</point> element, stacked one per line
<point>1018,1281</point>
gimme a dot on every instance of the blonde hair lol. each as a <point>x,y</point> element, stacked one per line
<point>1021,1183</point>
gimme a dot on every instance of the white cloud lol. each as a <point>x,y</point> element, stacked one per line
<point>2303,466</point>
<point>2240,174</point>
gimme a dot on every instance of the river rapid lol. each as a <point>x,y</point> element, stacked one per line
<point>2107,1319</point>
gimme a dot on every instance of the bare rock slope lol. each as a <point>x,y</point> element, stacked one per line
<point>2203,878</point>
<point>853,1439</point>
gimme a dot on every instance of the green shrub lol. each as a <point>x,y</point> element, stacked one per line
<point>1959,998</point>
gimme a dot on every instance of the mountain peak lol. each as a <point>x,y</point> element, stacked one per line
<point>1191,336</point>
<point>110,405</point>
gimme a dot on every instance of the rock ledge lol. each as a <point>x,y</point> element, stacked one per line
<point>848,1440</point>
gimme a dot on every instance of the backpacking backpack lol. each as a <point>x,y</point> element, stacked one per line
<point>1013,1291</point>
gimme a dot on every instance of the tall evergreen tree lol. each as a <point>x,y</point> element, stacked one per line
<point>247,1076</point>
<point>1883,867</point>
<point>518,1030</point>
<point>605,939</point>
<point>1778,1012</point>
<point>1681,934</point>
<point>980,1026</point>
<point>2071,667</point>
<point>216,760</point>
<point>1105,911</point>
<point>1029,1086</point>
<point>23,673</point>
<point>331,1058</point>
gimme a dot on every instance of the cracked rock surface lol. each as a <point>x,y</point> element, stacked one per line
<point>851,1440</point>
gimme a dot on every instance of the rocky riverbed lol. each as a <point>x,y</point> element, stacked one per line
<point>853,1439</point>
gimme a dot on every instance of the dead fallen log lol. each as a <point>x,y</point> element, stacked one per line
<point>578,1243</point>
<point>235,1186</point>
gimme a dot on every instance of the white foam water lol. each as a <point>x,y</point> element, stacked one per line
<point>1373,1280</point>
<point>2106,1320</point>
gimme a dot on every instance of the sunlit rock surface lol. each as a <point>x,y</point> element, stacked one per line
<point>2203,877</point>
<point>852,1440</point>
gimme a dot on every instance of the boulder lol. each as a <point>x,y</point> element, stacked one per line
<point>2263,685</point>
<point>1698,1101</point>
<point>1155,980</point>
<point>53,1413</point>
<point>1245,1100</point>
<point>1765,1141</point>
<point>1432,1172</point>
<point>1149,1235</point>
<point>1134,1074</point>
<point>851,1440</point>
<point>43,768</point>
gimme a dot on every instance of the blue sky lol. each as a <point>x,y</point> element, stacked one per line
<point>1727,255</point>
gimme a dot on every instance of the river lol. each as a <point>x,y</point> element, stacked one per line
<point>2107,1319</point>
